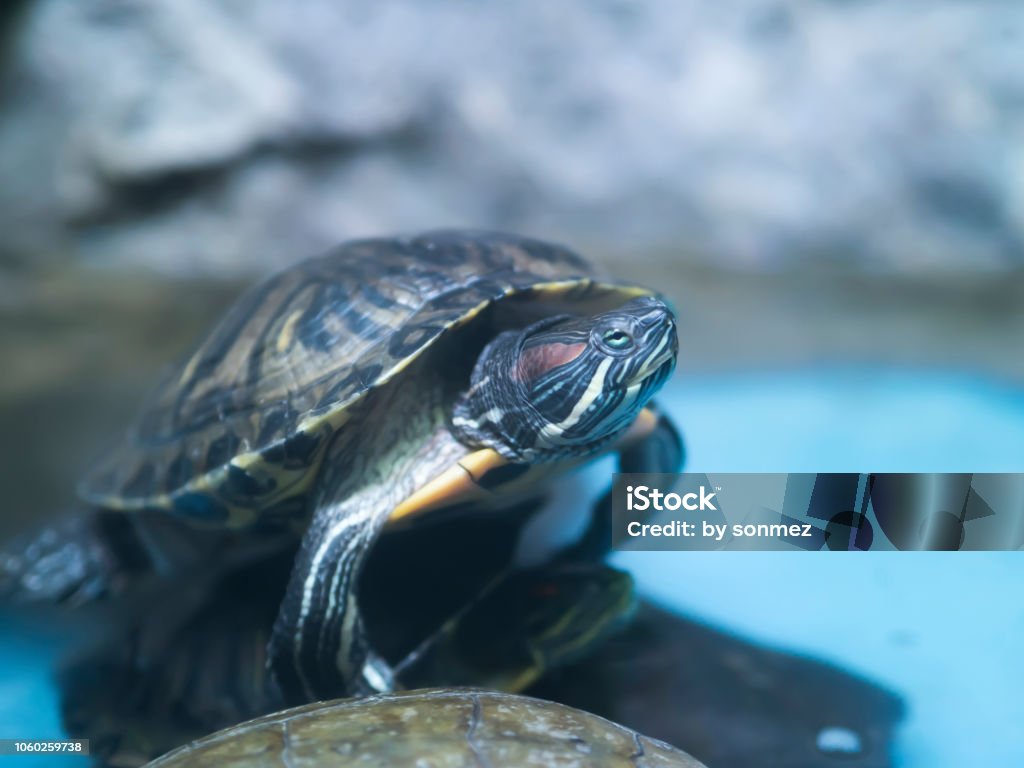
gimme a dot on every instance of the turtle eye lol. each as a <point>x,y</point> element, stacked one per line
<point>616,338</point>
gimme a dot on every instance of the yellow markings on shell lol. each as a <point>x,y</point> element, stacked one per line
<point>289,482</point>
<point>622,292</point>
<point>238,517</point>
<point>122,504</point>
<point>286,335</point>
<point>560,286</point>
<point>247,460</point>
<point>336,418</point>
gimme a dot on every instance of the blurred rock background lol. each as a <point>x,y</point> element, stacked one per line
<point>828,181</point>
<point>227,135</point>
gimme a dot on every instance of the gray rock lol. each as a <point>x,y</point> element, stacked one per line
<point>219,136</point>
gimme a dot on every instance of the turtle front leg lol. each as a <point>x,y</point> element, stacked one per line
<point>318,648</point>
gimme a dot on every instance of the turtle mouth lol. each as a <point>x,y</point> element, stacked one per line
<point>662,359</point>
<point>661,367</point>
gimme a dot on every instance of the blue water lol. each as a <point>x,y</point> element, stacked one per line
<point>941,629</point>
<point>944,630</point>
<point>28,701</point>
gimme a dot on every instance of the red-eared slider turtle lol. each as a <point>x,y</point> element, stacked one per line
<point>453,728</point>
<point>365,388</point>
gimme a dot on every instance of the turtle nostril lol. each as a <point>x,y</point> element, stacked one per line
<point>661,318</point>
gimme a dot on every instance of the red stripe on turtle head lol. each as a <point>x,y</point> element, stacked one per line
<point>537,360</point>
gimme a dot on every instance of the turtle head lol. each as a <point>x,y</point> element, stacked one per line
<point>567,386</point>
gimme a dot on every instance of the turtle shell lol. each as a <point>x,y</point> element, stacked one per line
<point>234,435</point>
<point>440,727</point>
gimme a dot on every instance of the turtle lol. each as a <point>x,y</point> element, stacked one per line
<point>387,383</point>
<point>433,727</point>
